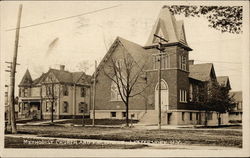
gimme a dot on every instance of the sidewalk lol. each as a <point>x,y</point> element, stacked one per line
<point>180,127</point>
<point>151,145</point>
<point>42,122</point>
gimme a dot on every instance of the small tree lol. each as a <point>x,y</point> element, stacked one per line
<point>128,76</point>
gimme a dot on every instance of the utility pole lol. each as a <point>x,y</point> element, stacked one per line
<point>12,74</point>
<point>94,90</point>
<point>9,109</point>
<point>160,54</point>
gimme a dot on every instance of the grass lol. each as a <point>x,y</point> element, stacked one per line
<point>176,136</point>
<point>11,142</point>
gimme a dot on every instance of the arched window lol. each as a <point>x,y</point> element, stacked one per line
<point>115,95</point>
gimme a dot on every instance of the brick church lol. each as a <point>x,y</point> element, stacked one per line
<point>180,84</point>
<point>181,81</point>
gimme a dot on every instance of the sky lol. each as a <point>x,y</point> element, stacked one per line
<point>87,38</point>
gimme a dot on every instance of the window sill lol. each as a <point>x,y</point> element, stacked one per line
<point>183,102</point>
<point>115,100</point>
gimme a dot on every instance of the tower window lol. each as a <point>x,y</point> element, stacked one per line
<point>165,62</point>
<point>183,62</point>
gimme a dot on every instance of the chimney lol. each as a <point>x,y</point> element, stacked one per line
<point>191,62</point>
<point>62,67</point>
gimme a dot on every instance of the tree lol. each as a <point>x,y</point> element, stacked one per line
<point>220,100</point>
<point>50,93</point>
<point>215,97</point>
<point>223,18</point>
<point>84,66</point>
<point>128,76</point>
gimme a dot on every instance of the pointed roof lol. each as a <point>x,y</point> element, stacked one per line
<point>26,80</point>
<point>224,80</point>
<point>169,28</point>
<point>201,72</point>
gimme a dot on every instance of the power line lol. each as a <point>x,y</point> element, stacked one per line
<point>215,40</point>
<point>219,61</point>
<point>69,17</point>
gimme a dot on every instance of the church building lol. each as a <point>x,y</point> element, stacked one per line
<point>181,79</point>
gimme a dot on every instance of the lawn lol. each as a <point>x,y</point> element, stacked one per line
<point>173,136</point>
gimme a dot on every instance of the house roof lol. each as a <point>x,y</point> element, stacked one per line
<point>39,79</point>
<point>223,80</point>
<point>70,77</point>
<point>237,95</point>
<point>169,28</point>
<point>26,80</point>
<point>62,76</point>
<point>201,72</point>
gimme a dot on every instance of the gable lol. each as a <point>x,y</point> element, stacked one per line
<point>137,52</point>
<point>202,72</point>
<point>26,80</point>
<point>168,27</point>
<point>50,77</point>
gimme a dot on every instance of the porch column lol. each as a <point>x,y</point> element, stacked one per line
<point>74,101</point>
<point>41,110</point>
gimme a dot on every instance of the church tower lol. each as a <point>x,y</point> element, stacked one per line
<point>175,68</point>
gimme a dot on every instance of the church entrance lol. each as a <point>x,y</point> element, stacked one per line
<point>164,96</point>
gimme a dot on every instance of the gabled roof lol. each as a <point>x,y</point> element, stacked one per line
<point>223,80</point>
<point>39,79</point>
<point>26,80</point>
<point>201,72</point>
<point>169,28</point>
<point>70,77</point>
<point>64,77</point>
<point>138,53</point>
<point>237,95</point>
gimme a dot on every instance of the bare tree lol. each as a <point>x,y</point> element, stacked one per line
<point>128,76</point>
<point>50,94</point>
<point>83,66</point>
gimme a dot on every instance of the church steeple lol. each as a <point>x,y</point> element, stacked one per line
<point>26,80</point>
<point>168,27</point>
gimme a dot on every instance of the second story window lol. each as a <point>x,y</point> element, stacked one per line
<point>65,90</point>
<point>25,92</point>
<point>83,92</point>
